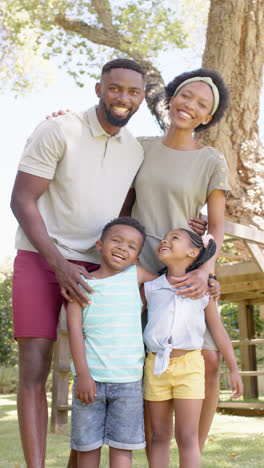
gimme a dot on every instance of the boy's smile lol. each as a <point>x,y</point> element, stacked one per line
<point>120,247</point>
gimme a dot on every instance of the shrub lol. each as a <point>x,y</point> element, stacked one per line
<point>8,346</point>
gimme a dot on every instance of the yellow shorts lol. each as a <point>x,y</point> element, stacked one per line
<point>183,379</point>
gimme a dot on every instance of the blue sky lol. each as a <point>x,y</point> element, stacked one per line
<point>20,116</point>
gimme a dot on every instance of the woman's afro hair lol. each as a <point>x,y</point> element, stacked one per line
<point>218,81</point>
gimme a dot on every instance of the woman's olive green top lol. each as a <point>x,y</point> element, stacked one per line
<point>171,187</point>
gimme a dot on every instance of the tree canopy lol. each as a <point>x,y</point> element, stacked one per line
<point>86,33</point>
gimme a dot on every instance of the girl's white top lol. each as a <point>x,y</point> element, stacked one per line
<point>173,322</point>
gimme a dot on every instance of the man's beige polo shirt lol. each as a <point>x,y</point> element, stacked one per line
<point>90,173</point>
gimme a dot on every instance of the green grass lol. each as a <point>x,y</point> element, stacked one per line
<point>234,442</point>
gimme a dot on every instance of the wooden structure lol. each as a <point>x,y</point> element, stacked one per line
<point>241,282</point>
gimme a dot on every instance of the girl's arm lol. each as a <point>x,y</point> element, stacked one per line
<point>224,345</point>
<point>198,279</point>
<point>86,387</point>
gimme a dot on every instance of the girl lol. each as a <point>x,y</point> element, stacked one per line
<point>174,367</point>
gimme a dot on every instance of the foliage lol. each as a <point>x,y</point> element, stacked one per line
<point>22,64</point>
<point>84,34</point>
<point>8,349</point>
<point>229,315</point>
<point>9,380</point>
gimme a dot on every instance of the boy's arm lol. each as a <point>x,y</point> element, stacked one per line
<point>86,387</point>
<point>224,345</point>
<point>144,275</point>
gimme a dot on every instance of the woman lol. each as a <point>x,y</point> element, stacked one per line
<point>177,178</point>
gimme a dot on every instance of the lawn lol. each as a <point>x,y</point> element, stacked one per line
<point>233,442</point>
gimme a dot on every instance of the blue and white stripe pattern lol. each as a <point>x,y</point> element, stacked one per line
<point>112,328</point>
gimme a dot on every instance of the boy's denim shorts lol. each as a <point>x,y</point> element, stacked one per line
<point>115,419</point>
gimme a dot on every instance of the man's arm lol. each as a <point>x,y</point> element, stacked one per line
<point>224,345</point>
<point>86,387</point>
<point>27,190</point>
<point>198,225</point>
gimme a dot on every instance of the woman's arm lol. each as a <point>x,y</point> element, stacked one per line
<point>224,345</point>
<point>216,218</point>
<point>197,280</point>
<point>86,387</point>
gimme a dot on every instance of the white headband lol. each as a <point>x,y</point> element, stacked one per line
<point>207,80</point>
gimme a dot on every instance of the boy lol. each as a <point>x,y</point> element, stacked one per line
<point>108,362</point>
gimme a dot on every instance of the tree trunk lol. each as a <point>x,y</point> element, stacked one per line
<point>235,47</point>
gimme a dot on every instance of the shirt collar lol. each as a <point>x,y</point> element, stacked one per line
<point>163,283</point>
<point>96,128</point>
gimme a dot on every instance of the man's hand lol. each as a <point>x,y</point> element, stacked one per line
<point>85,388</point>
<point>69,278</point>
<point>198,225</point>
<point>214,289</point>
<point>56,114</point>
<point>197,281</point>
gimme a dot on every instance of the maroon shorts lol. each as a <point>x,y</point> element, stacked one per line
<point>36,296</point>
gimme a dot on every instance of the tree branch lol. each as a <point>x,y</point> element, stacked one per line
<point>104,12</point>
<point>92,33</point>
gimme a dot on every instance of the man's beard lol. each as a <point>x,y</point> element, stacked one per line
<point>112,119</point>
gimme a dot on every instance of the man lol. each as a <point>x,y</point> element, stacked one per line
<point>73,177</point>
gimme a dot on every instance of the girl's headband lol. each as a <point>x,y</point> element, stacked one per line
<point>207,80</point>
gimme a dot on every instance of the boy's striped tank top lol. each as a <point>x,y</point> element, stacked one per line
<point>112,328</point>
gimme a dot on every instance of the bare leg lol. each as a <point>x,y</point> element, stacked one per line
<point>187,415</point>
<point>89,459</point>
<point>212,361</point>
<point>120,458</point>
<point>161,417</point>
<point>73,459</point>
<point>147,429</point>
<point>34,364</point>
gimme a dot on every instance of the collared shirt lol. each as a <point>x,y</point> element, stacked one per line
<point>90,173</point>
<point>174,322</point>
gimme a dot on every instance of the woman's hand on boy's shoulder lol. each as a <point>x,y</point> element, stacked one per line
<point>56,114</point>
